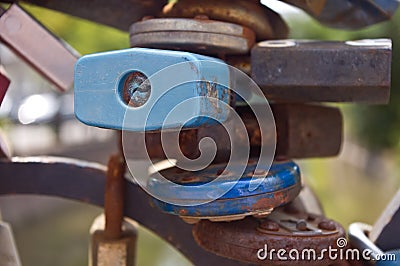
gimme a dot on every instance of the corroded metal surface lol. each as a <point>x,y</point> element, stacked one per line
<point>85,182</point>
<point>312,71</point>
<point>302,131</point>
<point>266,23</point>
<point>194,35</point>
<point>114,197</point>
<point>243,240</point>
<point>278,186</point>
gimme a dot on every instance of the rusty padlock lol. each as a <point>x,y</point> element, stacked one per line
<point>49,55</point>
<point>282,238</point>
<point>180,192</point>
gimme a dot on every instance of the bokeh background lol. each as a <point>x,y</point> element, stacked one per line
<point>36,120</point>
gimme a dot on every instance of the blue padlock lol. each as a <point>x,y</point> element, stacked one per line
<point>141,89</point>
<point>280,185</point>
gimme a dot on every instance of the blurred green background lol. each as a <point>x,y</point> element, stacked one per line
<point>356,186</point>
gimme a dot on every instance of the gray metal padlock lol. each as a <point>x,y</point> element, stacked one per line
<point>112,252</point>
<point>8,250</point>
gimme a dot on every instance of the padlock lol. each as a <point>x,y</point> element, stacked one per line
<point>317,71</point>
<point>278,239</point>
<point>348,14</point>
<point>4,84</point>
<point>8,250</point>
<point>49,55</point>
<point>301,130</point>
<point>379,243</point>
<point>369,251</point>
<point>278,186</point>
<point>388,225</point>
<point>106,251</point>
<point>136,89</point>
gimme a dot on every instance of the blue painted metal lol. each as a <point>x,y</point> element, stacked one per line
<point>280,186</point>
<point>99,80</point>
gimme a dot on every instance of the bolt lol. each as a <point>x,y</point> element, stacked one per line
<point>311,217</point>
<point>136,90</point>
<point>269,225</point>
<point>327,225</point>
<point>301,225</point>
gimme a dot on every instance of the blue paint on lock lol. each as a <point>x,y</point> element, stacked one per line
<point>198,84</point>
<point>280,185</point>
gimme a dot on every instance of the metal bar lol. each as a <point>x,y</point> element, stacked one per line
<point>119,14</point>
<point>315,71</point>
<point>114,196</point>
<point>83,181</point>
<point>302,131</point>
<point>38,47</point>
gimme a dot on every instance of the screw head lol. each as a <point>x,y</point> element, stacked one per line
<point>327,225</point>
<point>301,225</point>
<point>269,226</point>
<point>136,90</point>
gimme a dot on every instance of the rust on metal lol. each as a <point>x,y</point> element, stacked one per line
<point>302,131</point>
<point>241,240</point>
<point>266,23</point>
<point>279,198</point>
<point>315,71</point>
<point>192,34</point>
<point>114,197</point>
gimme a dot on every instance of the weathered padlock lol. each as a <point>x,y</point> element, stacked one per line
<point>278,186</point>
<point>316,71</point>
<point>104,251</point>
<point>279,239</point>
<point>379,244</point>
<point>368,251</point>
<point>301,131</point>
<point>136,89</point>
<point>49,55</point>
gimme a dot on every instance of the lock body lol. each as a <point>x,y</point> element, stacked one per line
<point>280,185</point>
<point>194,88</point>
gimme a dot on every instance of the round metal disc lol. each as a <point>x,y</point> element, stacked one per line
<point>278,187</point>
<point>250,239</point>
<point>193,35</point>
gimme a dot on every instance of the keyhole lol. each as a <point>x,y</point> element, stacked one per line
<point>136,90</point>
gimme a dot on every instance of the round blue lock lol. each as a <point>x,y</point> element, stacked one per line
<point>278,186</point>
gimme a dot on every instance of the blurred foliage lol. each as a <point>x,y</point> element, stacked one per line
<point>375,126</point>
